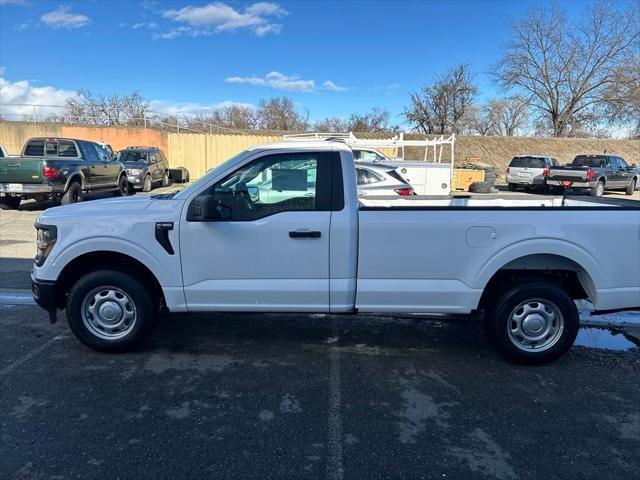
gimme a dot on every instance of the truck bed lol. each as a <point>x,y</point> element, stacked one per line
<point>509,202</point>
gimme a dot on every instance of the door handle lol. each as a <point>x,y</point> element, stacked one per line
<point>302,234</point>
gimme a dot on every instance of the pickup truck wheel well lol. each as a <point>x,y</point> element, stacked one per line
<point>561,271</point>
<point>106,260</point>
<point>76,178</point>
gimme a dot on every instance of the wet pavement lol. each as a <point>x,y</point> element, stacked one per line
<point>309,396</point>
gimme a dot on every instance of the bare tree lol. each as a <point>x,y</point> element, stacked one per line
<point>91,108</point>
<point>229,117</point>
<point>566,67</point>
<point>442,106</point>
<point>280,113</point>
<point>623,97</point>
<point>479,121</point>
<point>508,115</point>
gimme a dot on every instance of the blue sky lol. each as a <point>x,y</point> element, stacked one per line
<point>331,57</point>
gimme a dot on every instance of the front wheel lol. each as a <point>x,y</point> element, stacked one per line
<point>110,311</point>
<point>631,187</point>
<point>534,323</point>
<point>146,184</point>
<point>10,203</point>
<point>165,179</point>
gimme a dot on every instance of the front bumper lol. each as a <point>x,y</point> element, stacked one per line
<point>571,183</point>
<point>45,293</point>
<point>25,188</point>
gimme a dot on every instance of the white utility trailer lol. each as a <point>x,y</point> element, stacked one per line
<point>427,177</point>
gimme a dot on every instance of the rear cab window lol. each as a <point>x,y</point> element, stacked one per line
<point>51,148</point>
<point>594,161</point>
<point>528,162</point>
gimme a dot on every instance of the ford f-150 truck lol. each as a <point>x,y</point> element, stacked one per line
<point>280,228</point>
<point>59,168</point>
<point>596,173</point>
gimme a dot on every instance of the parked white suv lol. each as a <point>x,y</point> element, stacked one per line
<point>530,171</point>
<point>224,245</point>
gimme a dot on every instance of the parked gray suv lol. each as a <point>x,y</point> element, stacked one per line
<point>145,167</point>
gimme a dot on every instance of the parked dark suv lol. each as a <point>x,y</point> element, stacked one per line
<point>145,167</point>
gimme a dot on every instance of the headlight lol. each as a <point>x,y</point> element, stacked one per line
<point>134,171</point>
<point>45,240</point>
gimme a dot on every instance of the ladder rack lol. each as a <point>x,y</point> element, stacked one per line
<point>396,142</point>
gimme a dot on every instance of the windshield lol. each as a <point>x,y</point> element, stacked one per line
<point>589,161</point>
<point>130,156</point>
<point>185,192</point>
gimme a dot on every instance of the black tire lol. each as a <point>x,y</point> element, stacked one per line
<point>165,179</point>
<point>500,322</point>
<point>512,187</point>
<point>140,301</point>
<point>123,187</point>
<point>147,184</point>
<point>10,203</point>
<point>631,187</point>
<point>72,195</point>
<point>481,187</point>
<point>598,189</point>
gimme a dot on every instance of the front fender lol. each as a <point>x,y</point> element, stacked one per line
<point>161,269</point>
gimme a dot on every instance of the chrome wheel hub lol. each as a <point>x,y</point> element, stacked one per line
<point>535,325</point>
<point>108,313</point>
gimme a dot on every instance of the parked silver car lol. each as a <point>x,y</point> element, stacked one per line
<point>530,171</point>
<point>376,180</point>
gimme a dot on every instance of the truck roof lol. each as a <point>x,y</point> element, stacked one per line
<point>326,145</point>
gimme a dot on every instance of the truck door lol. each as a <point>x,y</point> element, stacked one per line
<point>621,174</point>
<point>93,173</point>
<point>269,249</point>
<point>110,169</point>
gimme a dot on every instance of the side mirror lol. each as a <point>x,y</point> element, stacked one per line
<point>205,208</point>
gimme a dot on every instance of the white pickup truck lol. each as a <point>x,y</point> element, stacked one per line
<point>280,228</point>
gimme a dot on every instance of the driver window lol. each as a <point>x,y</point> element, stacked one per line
<point>270,185</point>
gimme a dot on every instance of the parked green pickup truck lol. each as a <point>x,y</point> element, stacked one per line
<point>61,169</point>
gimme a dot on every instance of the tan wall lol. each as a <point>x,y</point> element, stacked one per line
<point>118,137</point>
<point>13,135</point>
<point>201,152</point>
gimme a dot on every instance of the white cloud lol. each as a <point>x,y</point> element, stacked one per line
<point>219,17</point>
<point>22,92</point>
<point>63,17</point>
<point>277,80</point>
<point>329,85</point>
<point>149,25</point>
<point>189,109</point>
<point>291,83</point>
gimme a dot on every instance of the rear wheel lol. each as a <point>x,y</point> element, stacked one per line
<point>598,189</point>
<point>10,203</point>
<point>123,187</point>
<point>146,184</point>
<point>533,323</point>
<point>72,195</point>
<point>111,311</point>
<point>631,187</point>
